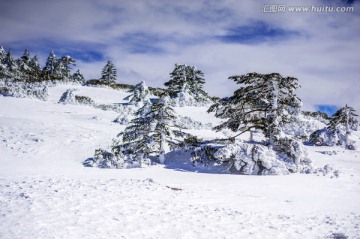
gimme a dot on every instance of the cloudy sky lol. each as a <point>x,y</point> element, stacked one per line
<point>145,38</point>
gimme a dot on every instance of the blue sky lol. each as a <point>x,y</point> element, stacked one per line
<point>145,38</point>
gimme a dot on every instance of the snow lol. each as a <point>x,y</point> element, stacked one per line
<point>46,192</point>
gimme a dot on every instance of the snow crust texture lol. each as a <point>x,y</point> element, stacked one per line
<point>129,208</point>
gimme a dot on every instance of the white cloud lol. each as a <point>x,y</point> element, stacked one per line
<point>324,55</point>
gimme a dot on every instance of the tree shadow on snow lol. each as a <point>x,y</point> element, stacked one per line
<point>180,160</point>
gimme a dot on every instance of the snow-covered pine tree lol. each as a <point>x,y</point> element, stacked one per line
<point>136,140</point>
<point>139,94</point>
<point>50,65</point>
<point>10,62</point>
<point>2,53</point>
<point>152,131</point>
<point>78,77</point>
<point>264,102</point>
<point>163,135</point>
<point>34,67</point>
<point>2,57</point>
<point>63,68</point>
<point>186,83</point>
<point>109,73</point>
<point>25,60</point>
<point>346,117</point>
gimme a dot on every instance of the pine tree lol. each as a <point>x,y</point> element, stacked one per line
<point>108,74</point>
<point>346,117</point>
<point>25,58</point>
<point>34,66</point>
<point>9,62</point>
<point>50,65</point>
<point>187,82</point>
<point>264,102</point>
<point>151,132</point>
<point>2,53</point>
<point>62,68</point>
<point>140,94</point>
<point>2,57</point>
<point>78,77</point>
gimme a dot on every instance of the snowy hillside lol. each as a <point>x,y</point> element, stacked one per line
<point>46,192</point>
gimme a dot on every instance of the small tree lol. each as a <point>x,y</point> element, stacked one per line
<point>151,132</point>
<point>63,67</point>
<point>2,53</point>
<point>186,83</point>
<point>34,66</point>
<point>50,65</point>
<point>108,74</point>
<point>140,94</point>
<point>9,62</point>
<point>78,77</point>
<point>346,117</point>
<point>24,60</point>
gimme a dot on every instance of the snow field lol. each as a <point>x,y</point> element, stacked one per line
<point>46,192</point>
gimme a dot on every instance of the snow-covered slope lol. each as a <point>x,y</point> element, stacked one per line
<point>46,192</point>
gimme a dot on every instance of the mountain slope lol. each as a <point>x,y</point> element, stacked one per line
<point>46,192</point>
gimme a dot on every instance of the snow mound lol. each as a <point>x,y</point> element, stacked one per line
<point>256,159</point>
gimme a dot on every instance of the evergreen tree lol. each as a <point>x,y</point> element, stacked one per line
<point>9,62</point>
<point>2,53</point>
<point>50,65</point>
<point>25,58</point>
<point>108,74</point>
<point>346,117</point>
<point>63,67</point>
<point>264,102</point>
<point>151,132</point>
<point>34,66</point>
<point>187,82</point>
<point>78,77</point>
<point>140,94</point>
<point>2,57</point>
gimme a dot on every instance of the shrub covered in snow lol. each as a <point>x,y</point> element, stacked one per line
<point>292,148</point>
<point>326,137</point>
<point>24,90</point>
<point>68,97</point>
<point>327,170</point>
<point>105,159</point>
<point>84,100</point>
<point>186,122</point>
<point>257,159</point>
<point>139,94</point>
